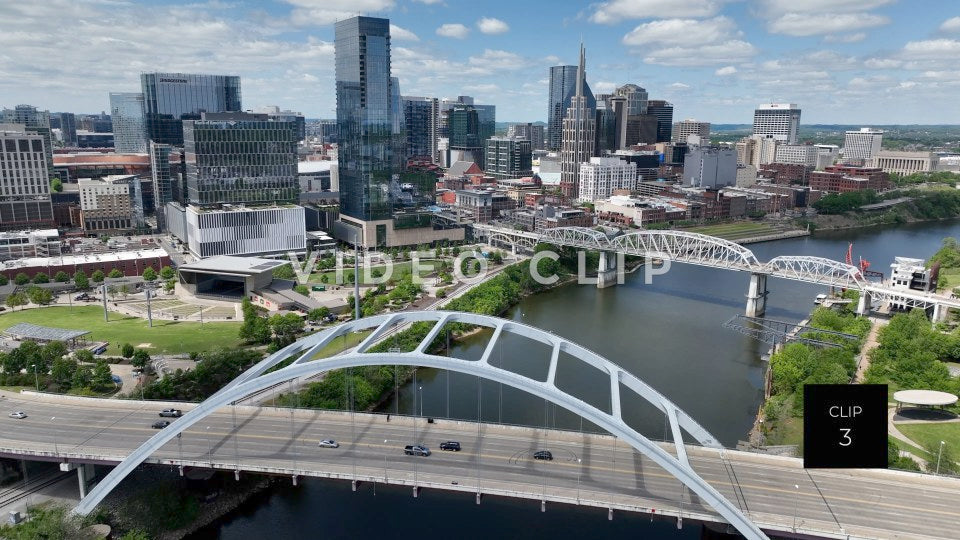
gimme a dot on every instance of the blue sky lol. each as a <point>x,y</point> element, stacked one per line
<point>842,61</point>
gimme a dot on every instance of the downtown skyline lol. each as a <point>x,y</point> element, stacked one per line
<point>843,61</point>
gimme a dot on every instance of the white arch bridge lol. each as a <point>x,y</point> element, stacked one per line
<point>703,250</point>
<point>610,418</point>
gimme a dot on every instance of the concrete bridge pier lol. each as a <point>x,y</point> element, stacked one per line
<point>757,295</point>
<point>85,474</point>
<point>863,304</point>
<point>610,272</point>
<point>939,313</point>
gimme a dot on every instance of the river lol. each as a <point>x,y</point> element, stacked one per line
<point>667,332</point>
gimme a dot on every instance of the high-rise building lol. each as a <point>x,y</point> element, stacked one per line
<point>642,129</point>
<point>106,204</point>
<point>25,194</point>
<point>663,111</point>
<point>171,98</point>
<point>421,127</point>
<point>781,120</point>
<point>686,128</point>
<point>801,154</point>
<point>601,176</point>
<point>240,158</point>
<point>276,113</point>
<point>129,130</point>
<point>508,157</point>
<point>827,155</point>
<point>33,121</point>
<point>563,86</point>
<point>579,133</point>
<point>68,129</point>
<point>862,144</point>
<point>532,132</point>
<point>710,167</point>
<point>167,180</point>
<point>636,97</point>
<point>612,121</point>
<point>764,150</point>
<point>463,130</point>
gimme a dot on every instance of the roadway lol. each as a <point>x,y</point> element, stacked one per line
<point>589,469</point>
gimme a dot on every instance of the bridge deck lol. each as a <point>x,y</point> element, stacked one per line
<point>904,505</point>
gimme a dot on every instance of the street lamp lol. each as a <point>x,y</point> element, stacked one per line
<point>939,454</point>
<point>385,462</point>
<point>421,400</point>
<point>796,506</point>
<point>579,470</point>
<point>209,447</point>
<point>36,378</point>
<point>56,448</point>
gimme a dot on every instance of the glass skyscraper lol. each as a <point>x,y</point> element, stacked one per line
<point>171,98</point>
<point>129,130</point>
<point>365,118</point>
<point>240,158</point>
<point>563,86</point>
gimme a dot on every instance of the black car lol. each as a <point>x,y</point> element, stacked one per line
<point>544,455</point>
<point>171,413</point>
<point>160,424</point>
<point>450,445</point>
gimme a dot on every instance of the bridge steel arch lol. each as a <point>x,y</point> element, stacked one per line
<point>256,379</point>
<point>817,270</point>
<point>687,247</point>
<point>583,237</point>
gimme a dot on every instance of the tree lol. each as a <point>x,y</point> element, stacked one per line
<point>21,279</point>
<point>61,277</point>
<point>302,289</point>
<point>4,279</point>
<point>167,273</point>
<point>324,278</point>
<point>284,272</point>
<point>39,295</point>
<point>62,373</point>
<point>169,285</point>
<point>115,273</point>
<point>81,281</point>
<point>84,356</point>
<point>41,277</point>
<point>126,350</point>
<point>17,299</point>
<point>286,327</point>
<point>82,377</point>
<point>318,314</point>
<point>56,185</point>
<point>101,379</point>
<point>140,359</point>
<point>149,274</point>
<point>97,276</point>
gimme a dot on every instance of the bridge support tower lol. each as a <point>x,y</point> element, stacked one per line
<point>757,295</point>
<point>863,304</point>
<point>610,272</point>
<point>939,313</point>
<point>85,474</point>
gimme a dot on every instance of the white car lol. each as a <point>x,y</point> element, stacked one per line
<point>328,443</point>
<point>19,414</point>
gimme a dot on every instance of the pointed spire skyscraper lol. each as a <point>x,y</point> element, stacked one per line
<point>579,132</point>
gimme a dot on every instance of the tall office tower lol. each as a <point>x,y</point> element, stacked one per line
<point>487,121</point>
<point>710,167</point>
<point>782,120</point>
<point>463,132</point>
<point>508,157</point>
<point>167,180</point>
<point>274,112</point>
<point>611,124</point>
<point>862,144</point>
<point>563,86</point>
<point>171,98</point>
<point>529,131</point>
<point>68,127</point>
<point>364,118</point>
<point>764,150</point>
<point>636,96</point>
<point>34,121</point>
<point>25,182</point>
<point>579,132</point>
<point>685,128</point>
<point>421,125</point>
<point>240,158</point>
<point>129,130</point>
<point>396,109</point>
<point>663,111</point>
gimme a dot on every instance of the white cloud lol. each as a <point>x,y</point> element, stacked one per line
<point>402,34</point>
<point>845,38</point>
<point>810,24</point>
<point>453,30</point>
<point>775,8</point>
<point>726,52</point>
<point>489,25</point>
<point>616,10</point>
<point>679,86</point>
<point>882,63</point>
<point>678,31</point>
<point>492,61</point>
<point>932,49</point>
<point>323,12</point>
<point>725,70</point>
<point>429,2</point>
<point>951,25</point>
<point>603,87</point>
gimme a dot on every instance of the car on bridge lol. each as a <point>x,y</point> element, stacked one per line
<point>416,450</point>
<point>544,455</point>
<point>160,424</point>
<point>328,443</point>
<point>171,413</point>
<point>18,415</point>
<point>450,445</point>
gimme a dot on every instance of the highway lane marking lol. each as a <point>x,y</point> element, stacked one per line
<point>588,467</point>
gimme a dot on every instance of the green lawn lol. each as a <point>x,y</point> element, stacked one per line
<point>930,435</point>
<point>735,231</point>
<point>949,278</point>
<point>400,269</point>
<point>166,337</point>
<point>341,344</point>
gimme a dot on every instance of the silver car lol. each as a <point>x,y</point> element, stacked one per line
<point>328,443</point>
<point>19,414</point>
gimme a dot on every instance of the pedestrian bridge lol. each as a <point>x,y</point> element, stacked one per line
<point>703,250</point>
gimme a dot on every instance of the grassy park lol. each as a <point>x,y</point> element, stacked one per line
<point>928,436</point>
<point>166,337</point>
<point>735,231</point>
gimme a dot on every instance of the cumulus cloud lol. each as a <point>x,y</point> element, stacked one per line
<point>489,25</point>
<point>679,86</point>
<point>775,8</point>
<point>616,10</point>
<point>726,52</point>
<point>932,49</point>
<point>402,34</point>
<point>678,31</point>
<point>725,70</point>
<point>453,30</point>
<point>807,24</point>
<point>951,25</point>
<point>322,12</point>
<point>846,38</point>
